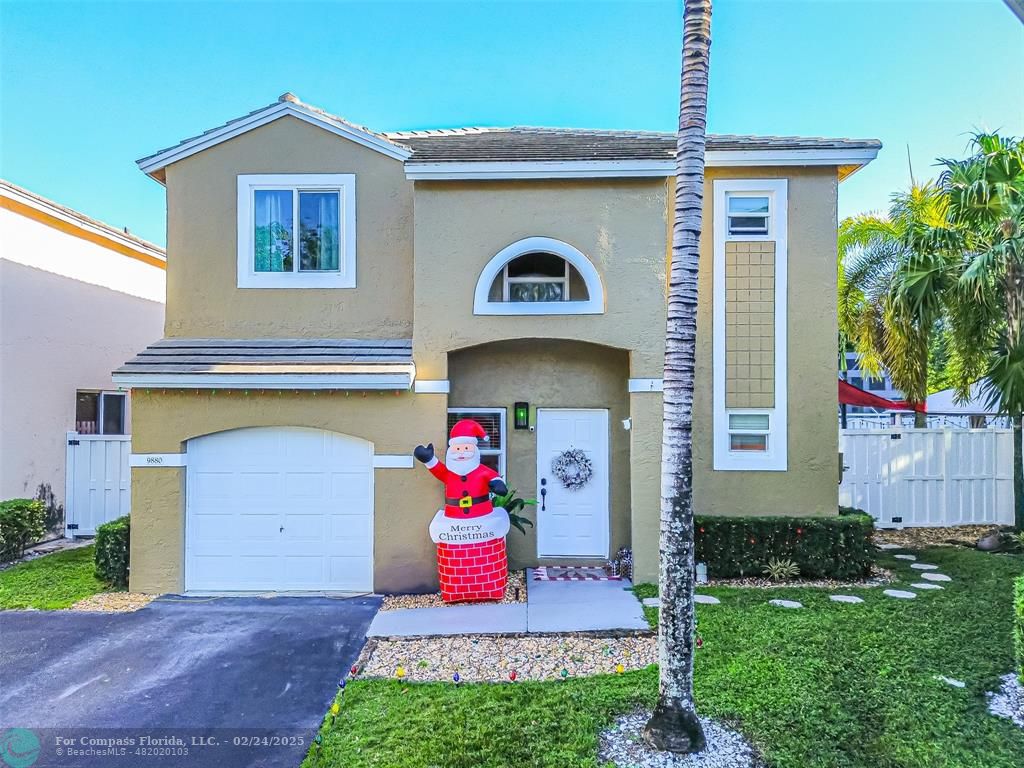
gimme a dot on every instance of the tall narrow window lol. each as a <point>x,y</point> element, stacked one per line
<point>318,231</point>
<point>274,230</point>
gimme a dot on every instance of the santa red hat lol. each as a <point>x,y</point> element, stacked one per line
<point>466,431</point>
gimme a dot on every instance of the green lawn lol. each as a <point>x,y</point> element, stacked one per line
<point>52,581</point>
<point>830,686</point>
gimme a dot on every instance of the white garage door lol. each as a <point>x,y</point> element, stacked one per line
<point>279,508</point>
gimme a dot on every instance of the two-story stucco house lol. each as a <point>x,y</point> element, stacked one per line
<point>338,295</point>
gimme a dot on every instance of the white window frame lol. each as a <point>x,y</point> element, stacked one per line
<point>507,281</point>
<point>775,458</point>
<point>342,183</point>
<point>500,451</point>
<point>594,304</point>
<point>767,235</point>
<point>100,409</point>
<point>748,431</point>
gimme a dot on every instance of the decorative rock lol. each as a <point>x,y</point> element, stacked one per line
<point>991,543</point>
<point>951,681</point>
<point>623,745</point>
<point>905,557</point>
<point>706,600</point>
<point>925,585</point>
<point>888,546</point>
<point>785,603</point>
<point>924,567</point>
<point>935,577</point>
<point>845,599</point>
<point>902,595</point>
<point>652,602</point>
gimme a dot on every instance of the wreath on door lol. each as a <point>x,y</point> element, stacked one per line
<point>572,468</point>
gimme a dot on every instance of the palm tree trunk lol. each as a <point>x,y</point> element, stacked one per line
<point>674,725</point>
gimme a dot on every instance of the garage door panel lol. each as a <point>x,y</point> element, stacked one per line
<point>279,508</point>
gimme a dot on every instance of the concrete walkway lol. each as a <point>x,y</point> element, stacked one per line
<point>552,606</point>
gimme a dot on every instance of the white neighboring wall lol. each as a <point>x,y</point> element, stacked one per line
<point>77,299</point>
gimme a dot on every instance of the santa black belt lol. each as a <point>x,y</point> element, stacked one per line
<point>472,500</point>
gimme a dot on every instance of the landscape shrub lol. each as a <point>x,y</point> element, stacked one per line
<point>822,547</point>
<point>22,522</point>
<point>112,542</point>
<point>1018,625</point>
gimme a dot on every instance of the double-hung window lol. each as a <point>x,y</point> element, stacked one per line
<point>747,214</point>
<point>296,231</point>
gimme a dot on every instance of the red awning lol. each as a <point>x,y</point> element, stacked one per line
<point>851,395</point>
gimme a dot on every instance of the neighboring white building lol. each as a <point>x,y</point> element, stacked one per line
<point>77,298</point>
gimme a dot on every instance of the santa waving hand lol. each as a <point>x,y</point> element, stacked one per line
<point>467,483</point>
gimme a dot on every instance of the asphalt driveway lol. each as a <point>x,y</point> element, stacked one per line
<point>240,681</point>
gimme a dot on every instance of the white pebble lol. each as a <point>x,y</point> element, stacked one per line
<point>623,745</point>
<point>951,681</point>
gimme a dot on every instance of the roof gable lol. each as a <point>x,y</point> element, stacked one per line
<point>287,105</point>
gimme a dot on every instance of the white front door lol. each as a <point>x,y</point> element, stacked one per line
<point>572,523</point>
<point>279,508</point>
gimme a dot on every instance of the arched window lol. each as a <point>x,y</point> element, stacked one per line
<point>539,276</point>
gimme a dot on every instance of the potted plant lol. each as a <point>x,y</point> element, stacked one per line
<point>514,505</point>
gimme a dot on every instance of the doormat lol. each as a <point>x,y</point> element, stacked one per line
<point>573,573</point>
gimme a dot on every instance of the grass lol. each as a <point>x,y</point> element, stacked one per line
<point>51,582</point>
<point>830,686</point>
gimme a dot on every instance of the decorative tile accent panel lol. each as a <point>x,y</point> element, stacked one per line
<point>749,324</point>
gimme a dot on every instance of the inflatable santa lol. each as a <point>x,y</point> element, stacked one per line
<point>469,532</point>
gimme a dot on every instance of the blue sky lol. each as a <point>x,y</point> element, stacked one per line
<point>87,88</point>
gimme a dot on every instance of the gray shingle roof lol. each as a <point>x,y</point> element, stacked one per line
<point>281,356</point>
<point>571,144</point>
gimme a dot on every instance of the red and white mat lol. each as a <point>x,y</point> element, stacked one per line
<point>572,573</point>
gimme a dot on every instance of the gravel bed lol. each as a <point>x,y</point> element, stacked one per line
<point>1008,701</point>
<point>920,538</point>
<point>113,602</point>
<point>878,577</point>
<point>624,746</point>
<point>489,658</point>
<point>515,592</point>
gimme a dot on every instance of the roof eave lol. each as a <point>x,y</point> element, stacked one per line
<point>153,165</point>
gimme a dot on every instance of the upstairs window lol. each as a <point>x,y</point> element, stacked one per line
<point>296,231</point>
<point>747,215</point>
<point>100,413</point>
<point>539,276</point>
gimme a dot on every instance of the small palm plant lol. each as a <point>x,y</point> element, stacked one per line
<point>781,569</point>
<point>514,505</point>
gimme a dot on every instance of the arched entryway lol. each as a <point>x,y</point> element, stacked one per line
<point>279,508</point>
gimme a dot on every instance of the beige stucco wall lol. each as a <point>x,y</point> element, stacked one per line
<point>203,300</point>
<point>404,499</point>
<point>537,371</point>
<point>618,224</point>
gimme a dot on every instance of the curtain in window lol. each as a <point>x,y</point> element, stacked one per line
<point>274,226</point>
<point>318,231</point>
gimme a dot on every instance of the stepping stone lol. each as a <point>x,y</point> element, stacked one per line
<point>951,681</point>
<point>652,602</point>
<point>845,599</point>
<point>935,577</point>
<point>925,585</point>
<point>924,567</point>
<point>706,600</point>
<point>900,594</point>
<point>785,603</point>
<point>905,557</point>
<point>888,546</point>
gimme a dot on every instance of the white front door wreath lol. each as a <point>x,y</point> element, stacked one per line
<point>572,468</point>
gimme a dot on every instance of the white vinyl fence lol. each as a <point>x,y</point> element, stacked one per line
<point>929,477</point>
<point>97,481</point>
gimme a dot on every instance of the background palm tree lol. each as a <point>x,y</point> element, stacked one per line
<point>893,271</point>
<point>674,725</point>
<point>985,309</point>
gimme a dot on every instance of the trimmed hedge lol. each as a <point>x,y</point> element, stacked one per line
<point>22,522</point>
<point>823,547</point>
<point>1018,625</point>
<point>112,547</point>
